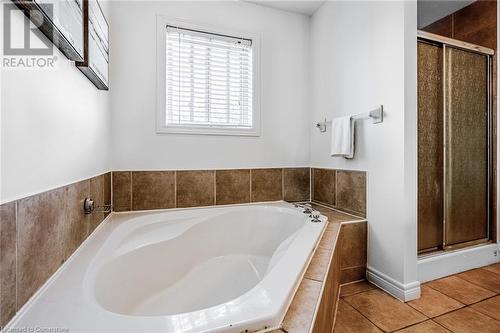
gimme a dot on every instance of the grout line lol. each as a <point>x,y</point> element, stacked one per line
<point>476,284</point>
<point>404,303</point>
<point>478,310</point>
<point>131,194</point>
<point>439,324</point>
<point>466,305</point>
<point>251,172</point>
<point>336,310</point>
<point>423,314</point>
<point>442,293</point>
<point>175,189</point>
<point>489,270</point>
<point>315,279</point>
<point>358,292</point>
<point>103,196</point>
<point>310,184</point>
<point>354,282</point>
<point>485,299</point>
<point>357,266</point>
<point>444,314</point>
<point>111,190</point>
<point>336,187</point>
<point>453,25</point>
<point>365,291</point>
<point>282,183</point>
<point>88,217</point>
<point>446,294</point>
<point>215,187</point>
<point>362,315</point>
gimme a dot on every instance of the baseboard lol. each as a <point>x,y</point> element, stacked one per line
<point>404,292</point>
<point>444,264</point>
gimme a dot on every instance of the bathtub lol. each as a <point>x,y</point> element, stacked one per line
<point>217,269</point>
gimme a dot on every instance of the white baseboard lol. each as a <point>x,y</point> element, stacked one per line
<point>449,263</point>
<point>404,292</point>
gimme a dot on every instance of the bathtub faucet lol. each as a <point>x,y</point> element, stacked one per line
<point>90,207</point>
<point>315,216</point>
<point>307,207</point>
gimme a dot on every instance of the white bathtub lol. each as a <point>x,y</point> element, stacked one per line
<point>221,269</point>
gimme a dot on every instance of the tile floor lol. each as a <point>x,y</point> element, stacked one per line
<point>462,303</point>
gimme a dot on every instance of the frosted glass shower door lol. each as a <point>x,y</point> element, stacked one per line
<point>430,146</point>
<point>466,151</point>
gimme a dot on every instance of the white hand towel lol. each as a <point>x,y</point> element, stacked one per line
<point>343,137</point>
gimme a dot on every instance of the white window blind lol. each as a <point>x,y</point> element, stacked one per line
<point>208,80</point>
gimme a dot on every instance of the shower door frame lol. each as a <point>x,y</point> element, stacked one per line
<point>445,43</point>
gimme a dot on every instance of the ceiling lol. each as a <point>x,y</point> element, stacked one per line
<point>429,11</point>
<point>301,7</point>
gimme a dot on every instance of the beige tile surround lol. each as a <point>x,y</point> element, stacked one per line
<point>344,190</point>
<point>314,306</point>
<point>196,188</point>
<point>141,190</point>
<point>39,233</point>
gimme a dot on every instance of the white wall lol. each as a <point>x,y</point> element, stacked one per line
<point>358,59</point>
<point>54,127</point>
<point>284,89</point>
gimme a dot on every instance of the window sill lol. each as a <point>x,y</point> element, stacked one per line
<point>209,131</point>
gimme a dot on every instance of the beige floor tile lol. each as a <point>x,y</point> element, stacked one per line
<point>355,288</point>
<point>351,321</point>
<point>495,268</point>
<point>460,289</point>
<point>385,311</point>
<point>426,327</point>
<point>489,307</point>
<point>483,278</point>
<point>468,320</point>
<point>432,303</point>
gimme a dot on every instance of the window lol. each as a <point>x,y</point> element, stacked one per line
<point>208,82</point>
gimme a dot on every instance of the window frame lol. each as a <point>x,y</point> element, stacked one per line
<point>161,111</point>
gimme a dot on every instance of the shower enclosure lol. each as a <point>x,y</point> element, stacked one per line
<point>455,137</point>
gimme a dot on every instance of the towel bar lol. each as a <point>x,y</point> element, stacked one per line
<point>377,116</point>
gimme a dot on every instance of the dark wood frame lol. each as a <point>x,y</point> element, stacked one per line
<point>84,66</point>
<point>50,30</point>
